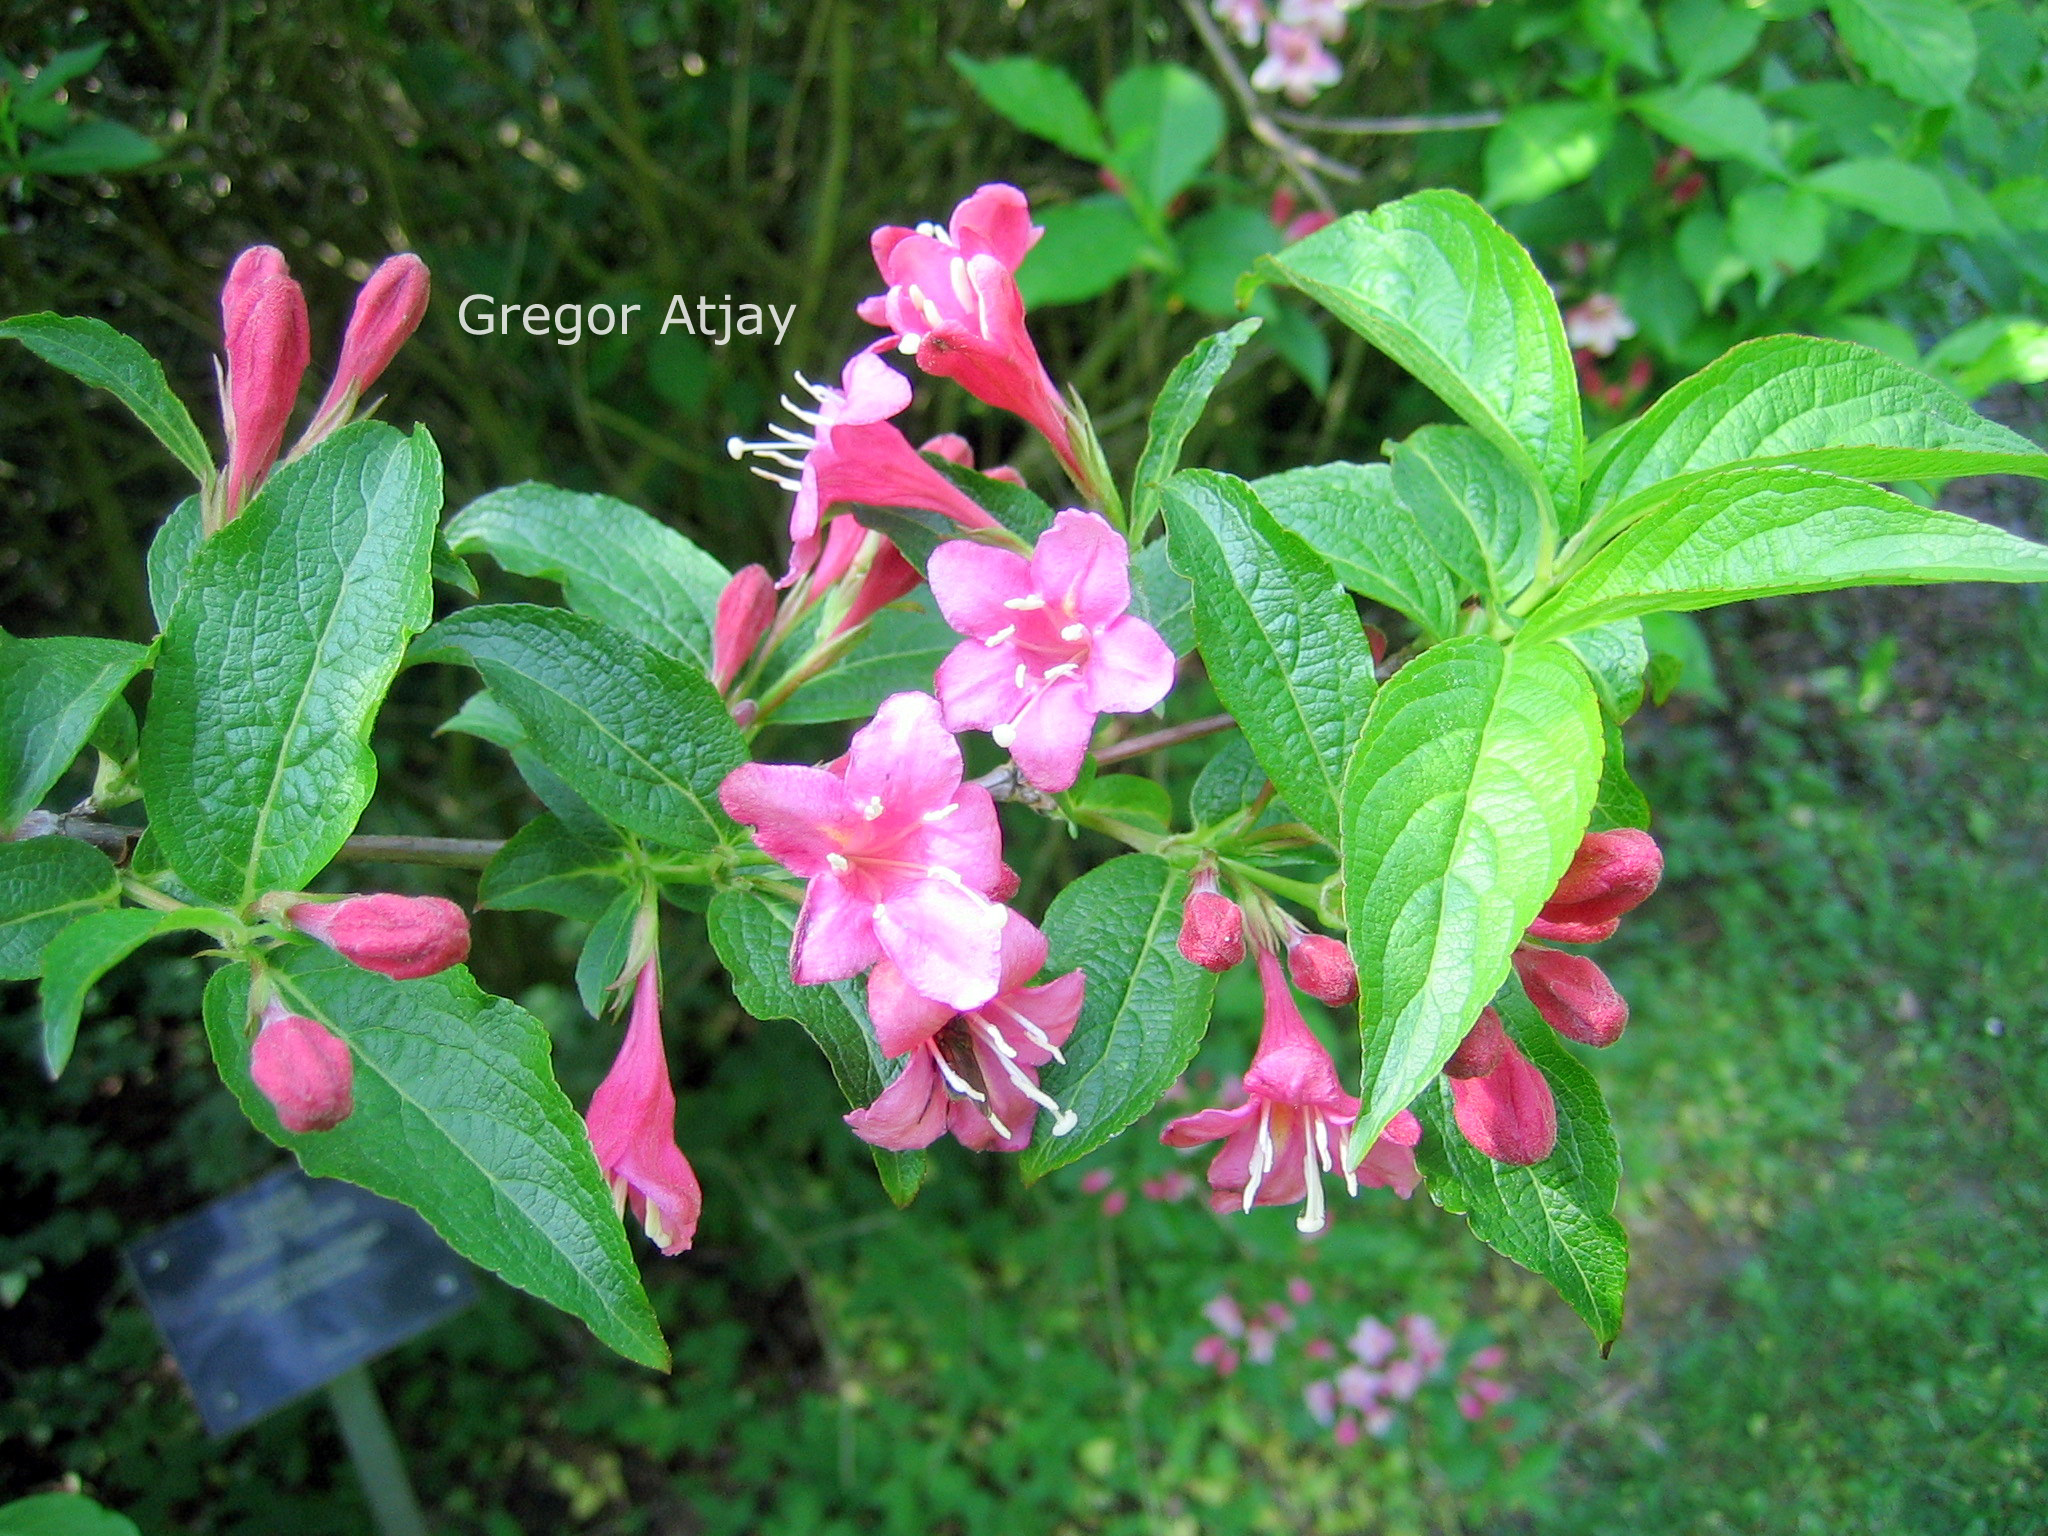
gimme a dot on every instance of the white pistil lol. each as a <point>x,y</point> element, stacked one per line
<point>1063,1120</point>
<point>1003,735</point>
<point>836,862</point>
<point>942,812</point>
<point>1000,636</point>
<point>1074,632</point>
<point>1312,1214</point>
<point>1026,603</point>
<point>950,876</point>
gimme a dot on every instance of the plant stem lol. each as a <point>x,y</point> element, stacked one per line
<point>1167,736</point>
<point>372,848</point>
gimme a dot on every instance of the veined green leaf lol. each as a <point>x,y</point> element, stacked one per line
<point>1926,50</point>
<point>1616,657</point>
<point>94,353</point>
<point>1541,148</point>
<point>1349,514</point>
<point>1443,290</point>
<point>1162,597</point>
<point>903,648</point>
<point>1462,808</point>
<point>290,626</point>
<point>546,867</point>
<point>1017,507</point>
<point>1768,531</point>
<point>1618,803</point>
<point>170,555</point>
<point>1474,506</point>
<point>52,693</point>
<point>1174,414</point>
<point>1144,1013</point>
<point>1165,123</point>
<point>82,953</point>
<point>1283,645</point>
<point>1715,122</point>
<point>45,883</point>
<point>458,1115</point>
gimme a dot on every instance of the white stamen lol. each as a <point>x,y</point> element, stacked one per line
<point>816,391</point>
<point>1023,676</point>
<point>836,862</point>
<point>933,315</point>
<point>1000,636</point>
<point>1032,1032</point>
<point>774,479</point>
<point>809,417</point>
<point>873,809</point>
<point>1025,603</point>
<point>1064,669</point>
<point>956,269</point>
<point>908,343</point>
<point>1262,1157</point>
<point>1063,1120</point>
<point>958,1083</point>
<point>950,876</point>
<point>933,231</point>
<point>1074,632</point>
<point>942,812</point>
<point>1003,735</point>
<point>735,447</point>
<point>796,439</point>
<point>1312,1214</point>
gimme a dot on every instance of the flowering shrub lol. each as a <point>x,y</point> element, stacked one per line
<point>1445,787</point>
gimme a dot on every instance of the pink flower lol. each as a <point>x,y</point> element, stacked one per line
<point>955,449</point>
<point>1425,1342</point>
<point>1320,1349</point>
<point>852,454</point>
<point>267,341</point>
<point>1491,1358</point>
<point>1573,994</point>
<point>1244,17</point>
<point>304,1069</point>
<point>1320,1397</point>
<point>1507,1113</point>
<point>398,936</point>
<point>387,311</point>
<point>1322,968</point>
<point>876,567</point>
<point>1404,1379</point>
<point>1612,873</point>
<point>1096,1180</point>
<point>1325,18</point>
<point>975,1071</point>
<point>1358,1387</point>
<point>1115,1203</point>
<point>900,855</point>
<point>1049,644</point>
<point>1224,1315</point>
<point>952,301</point>
<point>1346,1432</point>
<point>745,610</point>
<point>1293,227</point>
<point>1259,1343</point>
<point>1476,1397</point>
<point>1168,1187</point>
<point>632,1124</point>
<point>1218,1353</point>
<point>1372,1341</point>
<point>1211,925</point>
<point>1296,62</point>
<point>1300,1292</point>
<point>1290,1131</point>
<point>1599,324</point>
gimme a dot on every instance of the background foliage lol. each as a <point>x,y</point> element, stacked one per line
<point>1829,1118</point>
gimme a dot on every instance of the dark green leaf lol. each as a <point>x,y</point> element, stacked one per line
<point>1228,782</point>
<point>458,1115</point>
<point>903,648</point>
<point>1088,248</point>
<point>1715,123</point>
<point>170,557</point>
<point>96,148</point>
<point>1165,122</point>
<point>1462,807</point>
<point>1926,50</point>
<point>1174,414</point>
<point>545,867</point>
<point>94,353</point>
<point>1040,98</point>
<point>290,626</point>
<point>83,952</point>
<point>1616,659</point>
<point>1618,802</point>
<point>52,694</point>
<point>46,882</point>
<point>1145,1011</point>
<point>1903,195</point>
<point>1707,38</point>
<point>1350,516</point>
<point>62,1514</point>
<point>1162,597</point>
<point>601,967</point>
<point>1016,507</point>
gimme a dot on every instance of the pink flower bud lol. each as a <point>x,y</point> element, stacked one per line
<point>1611,874</point>
<point>951,447</point>
<point>1211,926</point>
<point>1480,1051</point>
<point>304,1070</point>
<point>265,334</point>
<point>388,310</point>
<point>1007,882</point>
<point>1322,968</point>
<point>1509,1113</point>
<point>745,610</point>
<point>1573,995</point>
<point>402,937</point>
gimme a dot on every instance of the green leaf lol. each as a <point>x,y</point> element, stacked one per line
<point>644,738</point>
<point>752,932</point>
<point>1767,532</point>
<point>602,966</point>
<point>1707,38</point>
<point>1174,414</point>
<point>45,883</point>
<point>1462,808</point>
<point>1830,405</point>
<point>1145,1011</point>
<point>1540,149</point>
<point>170,557</point>
<point>1926,50</point>
<point>81,954</point>
<point>613,561</point>
<point>903,648</point>
<point>1679,650</point>
<point>1617,803</point>
<point>1350,516</point>
<point>95,148</point>
<point>1088,247</point>
<point>290,626</point>
<point>1621,29</point>
<point>457,1114</point>
<point>1474,506</point>
<point>1555,1219</point>
<point>1283,645</point>
<point>1162,597</point>
<point>1901,194</point>
<point>52,694</point>
<point>546,867</point>
<point>1018,508</point>
<point>1778,230</point>
<point>1444,291</point>
<point>1217,247</point>
<point>1714,122</point>
<point>1616,659</point>
<point>1040,98</point>
<point>62,1514</point>
<point>1165,123</point>
<point>1228,782</point>
<point>94,353</point>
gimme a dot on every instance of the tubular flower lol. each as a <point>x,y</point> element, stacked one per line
<point>1211,925</point>
<point>387,311</point>
<point>1573,994</point>
<point>1612,873</point>
<point>632,1124</point>
<point>851,454</point>
<point>1508,1113</point>
<point>975,1073</point>
<point>304,1069</point>
<point>1290,1131</point>
<point>883,574</point>
<point>402,937</point>
<point>267,341</point>
<point>745,610</point>
<point>952,302</point>
<point>900,855</point>
<point>1049,644</point>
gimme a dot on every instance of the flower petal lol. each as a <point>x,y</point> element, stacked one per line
<point>969,841</point>
<point>946,940</point>
<point>791,809</point>
<point>874,391</point>
<point>1209,1125</point>
<point>1084,565</point>
<point>905,757</point>
<point>995,220</point>
<point>1053,734</point>
<point>835,935</point>
<point>904,1018</point>
<point>909,1113</point>
<point>1130,668</point>
<point>972,582</point>
<point>977,684</point>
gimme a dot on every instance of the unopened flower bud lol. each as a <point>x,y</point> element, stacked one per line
<point>1612,873</point>
<point>745,610</point>
<point>1480,1051</point>
<point>387,311</point>
<point>1007,882</point>
<point>402,937</point>
<point>1509,1113</point>
<point>1376,641</point>
<point>1322,968</point>
<point>1211,926</point>
<point>304,1070</point>
<point>1573,995</point>
<point>265,334</point>
<point>951,447</point>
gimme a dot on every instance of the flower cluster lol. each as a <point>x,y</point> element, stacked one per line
<point>1296,34</point>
